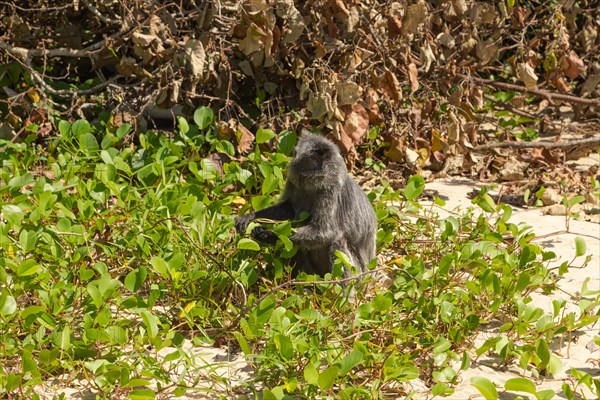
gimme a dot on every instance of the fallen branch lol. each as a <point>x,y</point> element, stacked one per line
<point>536,92</point>
<point>101,17</point>
<point>593,143</point>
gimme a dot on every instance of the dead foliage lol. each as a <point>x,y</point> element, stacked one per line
<point>433,79</point>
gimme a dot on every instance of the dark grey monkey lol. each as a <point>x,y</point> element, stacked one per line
<point>340,215</point>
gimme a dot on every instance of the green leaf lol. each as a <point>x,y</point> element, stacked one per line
<point>203,117</point>
<point>568,391</point>
<point>264,135</point>
<point>243,343</point>
<point>137,382</point>
<point>547,394</point>
<point>65,338</point>
<point>8,305</point>
<point>248,244</point>
<point>28,267</point>
<point>116,334</point>
<point>485,202</point>
<point>520,385</point>
<point>587,292</point>
<point>285,347</point>
<point>88,143</point>
<point>80,127</point>
<point>327,378</point>
<point>485,387</point>
<point>160,266</point>
<point>311,375</point>
<point>441,345</point>
<point>64,127</point>
<point>287,142</point>
<point>466,362</point>
<point>123,130</point>
<point>150,321</point>
<point>554,365</point>
<point>142,394</point>
<point>414,187</point>
<point>542,351</point>
<point>183,125</point>
<point>135,279</point>
<point>580,247</point>
<point>441,389</point>
<point>349,361</point>
<point>27,240</point>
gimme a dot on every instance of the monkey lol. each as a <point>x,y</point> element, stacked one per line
<point>340,214</point>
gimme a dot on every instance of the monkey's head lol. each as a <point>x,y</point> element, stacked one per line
<point>316,163</point>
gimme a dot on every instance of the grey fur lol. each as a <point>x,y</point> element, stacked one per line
<point>341,216</point>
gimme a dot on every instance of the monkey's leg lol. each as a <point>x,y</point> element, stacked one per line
<point>347,250</point>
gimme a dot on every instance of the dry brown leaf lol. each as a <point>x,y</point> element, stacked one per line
<point>390,86</point>
<point>340,6</point>
<point>591,84</point>
<point>356,125</point>
<point>394,24</point>
<point>411,158</point>
<point>414,17</point>
<point>455,97</point>
<point>413,77</point>
<point>143,40</point>
<point>572,65</point>
<point>437,143</point>
<point>195,58</point>
<point>486,51</point>
<point>358,56</point>
<point>453,132</point>
<point>415,117</point>
<point>527,75</point>
<point>294,22</point>
<point>476,97</point>
<point>518,16</point>
<point>426,57</point>
<point>372,107</point>
<point>245,138</point>
<point>347,93</point>
<point>276,38</point>
<point>446,39</point>
<point>396,151</point>
<point>513,170</point>
<point>559,82</point>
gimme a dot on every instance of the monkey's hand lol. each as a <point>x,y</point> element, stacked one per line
<point>241,222</point>
<point>264,235</point>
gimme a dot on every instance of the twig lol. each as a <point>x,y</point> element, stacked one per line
<point>536,92</point>
<point>44,8</point>
<point>510,108</point>
<point>593,142</point>
<point>294,282</point>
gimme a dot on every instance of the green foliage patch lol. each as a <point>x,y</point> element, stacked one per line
<point>115,257</point>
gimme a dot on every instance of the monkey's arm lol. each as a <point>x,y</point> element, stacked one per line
<point>314,235</point>
<point>321,229</point>
<point>279,212</point>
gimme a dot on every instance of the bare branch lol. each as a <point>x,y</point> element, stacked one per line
<point>593,142</point>
<point>101,17</point>
<point>536,92</point>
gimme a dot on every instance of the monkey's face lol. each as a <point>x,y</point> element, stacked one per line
<point>316,162</point>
